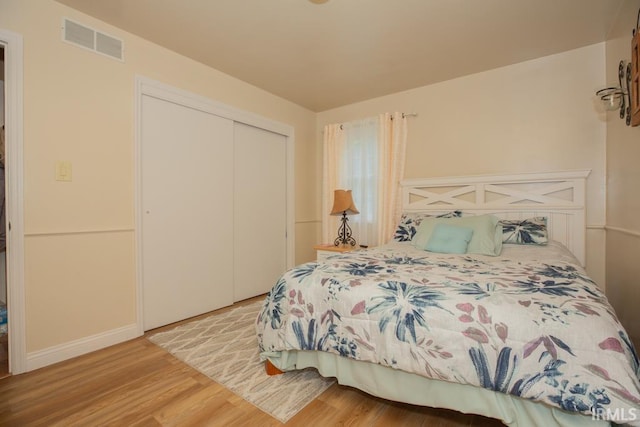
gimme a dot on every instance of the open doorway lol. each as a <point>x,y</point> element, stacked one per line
<point>4,337</point>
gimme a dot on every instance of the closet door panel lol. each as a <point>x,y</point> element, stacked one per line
<point>187,211</point>
<point>260,210</point>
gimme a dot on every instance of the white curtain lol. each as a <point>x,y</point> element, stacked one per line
<point>392,144</point>
<point>332,148</point>
<point>366,156</point>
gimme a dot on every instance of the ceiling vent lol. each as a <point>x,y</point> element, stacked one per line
<point>94,40</point>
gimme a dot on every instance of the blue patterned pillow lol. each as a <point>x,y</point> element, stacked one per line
<point>531,231</point>
<point>409,223</point>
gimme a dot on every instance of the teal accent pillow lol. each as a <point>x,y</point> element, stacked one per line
<point>449,239</point>
<point>486,239</point>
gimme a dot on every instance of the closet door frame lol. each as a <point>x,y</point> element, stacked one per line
<point>149,87</point>
<point>14,176</point>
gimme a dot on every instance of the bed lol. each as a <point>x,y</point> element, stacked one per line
<point>525,336</point>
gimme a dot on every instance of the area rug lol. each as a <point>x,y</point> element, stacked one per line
<point>224,347</point>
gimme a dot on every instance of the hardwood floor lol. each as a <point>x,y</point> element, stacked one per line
<point>4,355</point>
<point>139,384</point>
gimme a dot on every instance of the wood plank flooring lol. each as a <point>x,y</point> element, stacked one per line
<point>4,355</point>
<point>137,383</point>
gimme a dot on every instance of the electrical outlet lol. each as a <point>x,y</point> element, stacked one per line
<point>63,171</point>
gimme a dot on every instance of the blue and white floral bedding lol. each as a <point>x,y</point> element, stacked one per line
<point>540,330</point>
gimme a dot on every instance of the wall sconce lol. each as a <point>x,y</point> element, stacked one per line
<point>343,205</point>
<point>619,97</point>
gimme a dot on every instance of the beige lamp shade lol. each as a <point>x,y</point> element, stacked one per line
<point>343,202</point>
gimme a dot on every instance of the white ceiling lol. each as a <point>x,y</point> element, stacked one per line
<point>322,56</point>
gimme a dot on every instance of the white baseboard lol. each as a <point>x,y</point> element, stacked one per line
<point>58,353</point>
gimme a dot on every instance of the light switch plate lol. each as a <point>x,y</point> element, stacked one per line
<point>63,171</point>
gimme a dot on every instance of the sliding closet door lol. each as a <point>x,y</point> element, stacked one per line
<point>187,211</point>
<point>260,182</point>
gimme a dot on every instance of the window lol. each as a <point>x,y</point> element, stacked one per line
<point>358,172</point>
<point>366,157</point>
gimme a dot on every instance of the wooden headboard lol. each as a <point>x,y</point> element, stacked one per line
<point>559,196</point>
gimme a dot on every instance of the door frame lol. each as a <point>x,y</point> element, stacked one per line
<point>14,206</point>
<point>149,87</point>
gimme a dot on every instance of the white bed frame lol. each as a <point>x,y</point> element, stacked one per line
<point>559,196</point>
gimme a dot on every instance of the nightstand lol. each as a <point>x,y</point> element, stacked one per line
<point>327,249</point>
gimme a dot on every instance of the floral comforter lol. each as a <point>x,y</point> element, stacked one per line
<point>537,330</point>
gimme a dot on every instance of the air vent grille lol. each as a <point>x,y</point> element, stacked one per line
<point>91,39</point>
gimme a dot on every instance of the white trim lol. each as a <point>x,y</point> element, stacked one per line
<point>502,178</point>
<point>291,207</point>
<point>623,230</point>
<point>308,221</point>
<point>596,226</point>
<point>13,59</point>
<point>58,353</point>
<point>150,87</point>
<point>66,233</point>
<point>159,90</point>
<point>138,205</point>
<point>559,196</point>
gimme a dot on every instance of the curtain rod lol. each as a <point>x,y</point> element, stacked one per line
<point>404,116</point>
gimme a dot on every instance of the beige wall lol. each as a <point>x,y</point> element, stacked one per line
<point>623,188</point>
<point>79,107</point>
<point>530,117</point>
<point>80,281</point>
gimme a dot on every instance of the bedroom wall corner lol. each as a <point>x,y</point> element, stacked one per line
<point>306,239</point>
<point>596,255</point>
<point>307,177</point>
<point>623,187</point>
<point>623,271</point>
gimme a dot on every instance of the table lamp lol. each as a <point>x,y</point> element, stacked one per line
<point>343,205</point>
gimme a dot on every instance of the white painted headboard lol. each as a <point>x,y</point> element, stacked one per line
<point>559,196</point>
